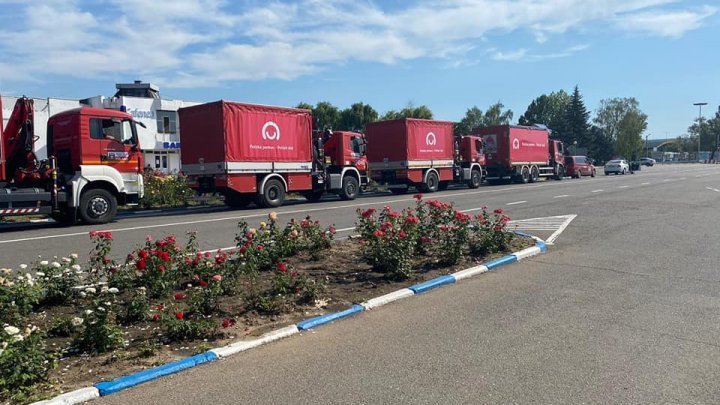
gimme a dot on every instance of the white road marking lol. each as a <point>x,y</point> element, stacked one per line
<point>645,184</point>
<point>516,202</point>
<point>713,189</point>
<point>551,239</point>
<point>666,180</point>
<point>623,186</point>
<point>597,191</point>
<point>556,223</point>
<point>561,196</point>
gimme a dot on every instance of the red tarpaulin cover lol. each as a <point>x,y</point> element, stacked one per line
<point>409,139</point>
<point>224,131</point>
<point>518,144</point>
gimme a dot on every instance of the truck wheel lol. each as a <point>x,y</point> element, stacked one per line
<point>534,174</point>
<point>97,206</point>
<point>313,196</point>
<point>272,195</point>
<point>431,183</point>
<point>475,179</point>
<point>350,188</point>
<point>236,201</point>
<point>524,175</point>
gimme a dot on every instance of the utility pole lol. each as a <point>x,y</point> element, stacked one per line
<point>700,105</point>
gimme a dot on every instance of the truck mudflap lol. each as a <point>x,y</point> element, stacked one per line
<point>25,211</point>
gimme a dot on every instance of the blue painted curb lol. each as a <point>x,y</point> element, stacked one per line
<point>111,387</point>
<point>430,284</point>
<point>542,246</point>
<point>501,261</point>
<point>327,318</point>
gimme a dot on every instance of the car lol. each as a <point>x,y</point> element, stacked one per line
<point>646,161</point>
<point>577,166</point>
<point>617,166</point>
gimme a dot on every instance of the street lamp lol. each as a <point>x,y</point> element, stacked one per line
<point>699,125</point>
<point>647,150</point>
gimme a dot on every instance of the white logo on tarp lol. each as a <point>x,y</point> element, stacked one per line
<point>430,139</point>
<point>271,131</point>
<point>516,143</point>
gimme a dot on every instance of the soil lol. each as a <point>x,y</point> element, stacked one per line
<point>348,281</point>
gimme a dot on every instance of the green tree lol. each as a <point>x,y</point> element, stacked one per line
<point>325,115</point>
<point>629,140</point>
<point>576,126</point>
<point>356,116</point>
<point>410,111</point>
<point>602,147</point>
<point>474,118</point>
<point>708,131</point>
<point>548,109</point>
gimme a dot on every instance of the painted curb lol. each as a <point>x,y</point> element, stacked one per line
<point>525,253</point>
<point>72,397</point>
<point>501,262</point>
<point>111,387</point>
<point>241,346</point>
<point>387,298</point>
<point>431,284</point>
<point>472,271</point>
<point>327,318</point>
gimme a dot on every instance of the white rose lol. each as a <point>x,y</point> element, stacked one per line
<point>44,263</point>
<point>113,290</point>
<point>90,290</point>
<point>11,330</point>
<point>74,255</point>
<point>56,265</point>
<point>23,266</point>
<point>40,274</point>
<point>101,309</point>
<point>5,271</point>
<point>88,311</point>
<point>76,267</point>
<point>66,260</point>
<point>77,321</point>
<point>107,303</point>
<point>83,294</point>
<point>103,289</point>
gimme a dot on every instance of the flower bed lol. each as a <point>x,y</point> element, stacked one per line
<point>168,300</point>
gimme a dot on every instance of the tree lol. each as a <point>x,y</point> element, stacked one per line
<point>611,112</point>
<point>325,115</point>
<point>474,118</point>
<point>629,140</point>
<point>409,112</point>
<point>356,116</point>
<point>576,127</point>
<point>708,131</point>
<point>548,109</point>
<point>601,148</point>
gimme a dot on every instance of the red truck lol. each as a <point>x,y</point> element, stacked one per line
<point>521,154</point>
<point>260,153</point>
<point>421,153</point>
<point>94,164</point>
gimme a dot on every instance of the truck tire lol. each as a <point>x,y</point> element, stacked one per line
<point>475,179</point>
<point>313,196</point>
<point>273,194</point>
<point>431,183</point>
<point>97,206</point>
<point>524,175</point>
<point>534,174</point>
<point>349,188</point>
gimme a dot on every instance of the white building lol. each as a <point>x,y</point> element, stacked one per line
<point>159,141</point>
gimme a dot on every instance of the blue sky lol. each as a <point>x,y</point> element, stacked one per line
<point>447,54</point>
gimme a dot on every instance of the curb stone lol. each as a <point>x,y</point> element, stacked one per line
<point>110,387</point>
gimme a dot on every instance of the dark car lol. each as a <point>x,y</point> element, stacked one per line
<point>577,166</point>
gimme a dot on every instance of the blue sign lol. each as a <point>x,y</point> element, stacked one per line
<point>171,145</point>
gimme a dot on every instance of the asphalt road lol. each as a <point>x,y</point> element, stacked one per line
<point>624,308</point>
<point>217,229</point>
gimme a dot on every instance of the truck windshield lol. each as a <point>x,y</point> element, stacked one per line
<point>112,129</point>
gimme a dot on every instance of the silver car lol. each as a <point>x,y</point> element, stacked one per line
<point>619,166</point>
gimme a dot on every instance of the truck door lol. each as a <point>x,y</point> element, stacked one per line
<point>113,143</point>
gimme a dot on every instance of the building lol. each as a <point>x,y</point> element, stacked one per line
<point>159,139</point>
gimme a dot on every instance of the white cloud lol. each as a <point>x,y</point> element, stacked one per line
<point>208,42</point>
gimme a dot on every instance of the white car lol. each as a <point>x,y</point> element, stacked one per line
<point>619,166</point>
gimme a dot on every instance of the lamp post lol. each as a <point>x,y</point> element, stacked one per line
<point>700,105</point>
<point>647,150</point>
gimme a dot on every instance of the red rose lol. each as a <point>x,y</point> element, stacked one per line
<point>499,211</point>
<point>282,267</point>
<point>203,283</point>
<point>141,265</point>
<point>379,233</point>
<point>143,254</point>
<point>293,274</point>
<point>418,196</point>
<point>260,247</point>
<point>368,213</point>
<point>93,234</point>
<point>180,296</point>
<point>130,257</point>
<point>401,234</point>
<point>332,230</point>
<point>160,307</point>
<point>156,317</point>
<point>227,322</point>
<point>179,315</point>
<point>161,269</point>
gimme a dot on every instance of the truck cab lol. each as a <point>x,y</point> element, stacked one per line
<point>93,165</point>
<point>342,164</point>
<point>469,161</point>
